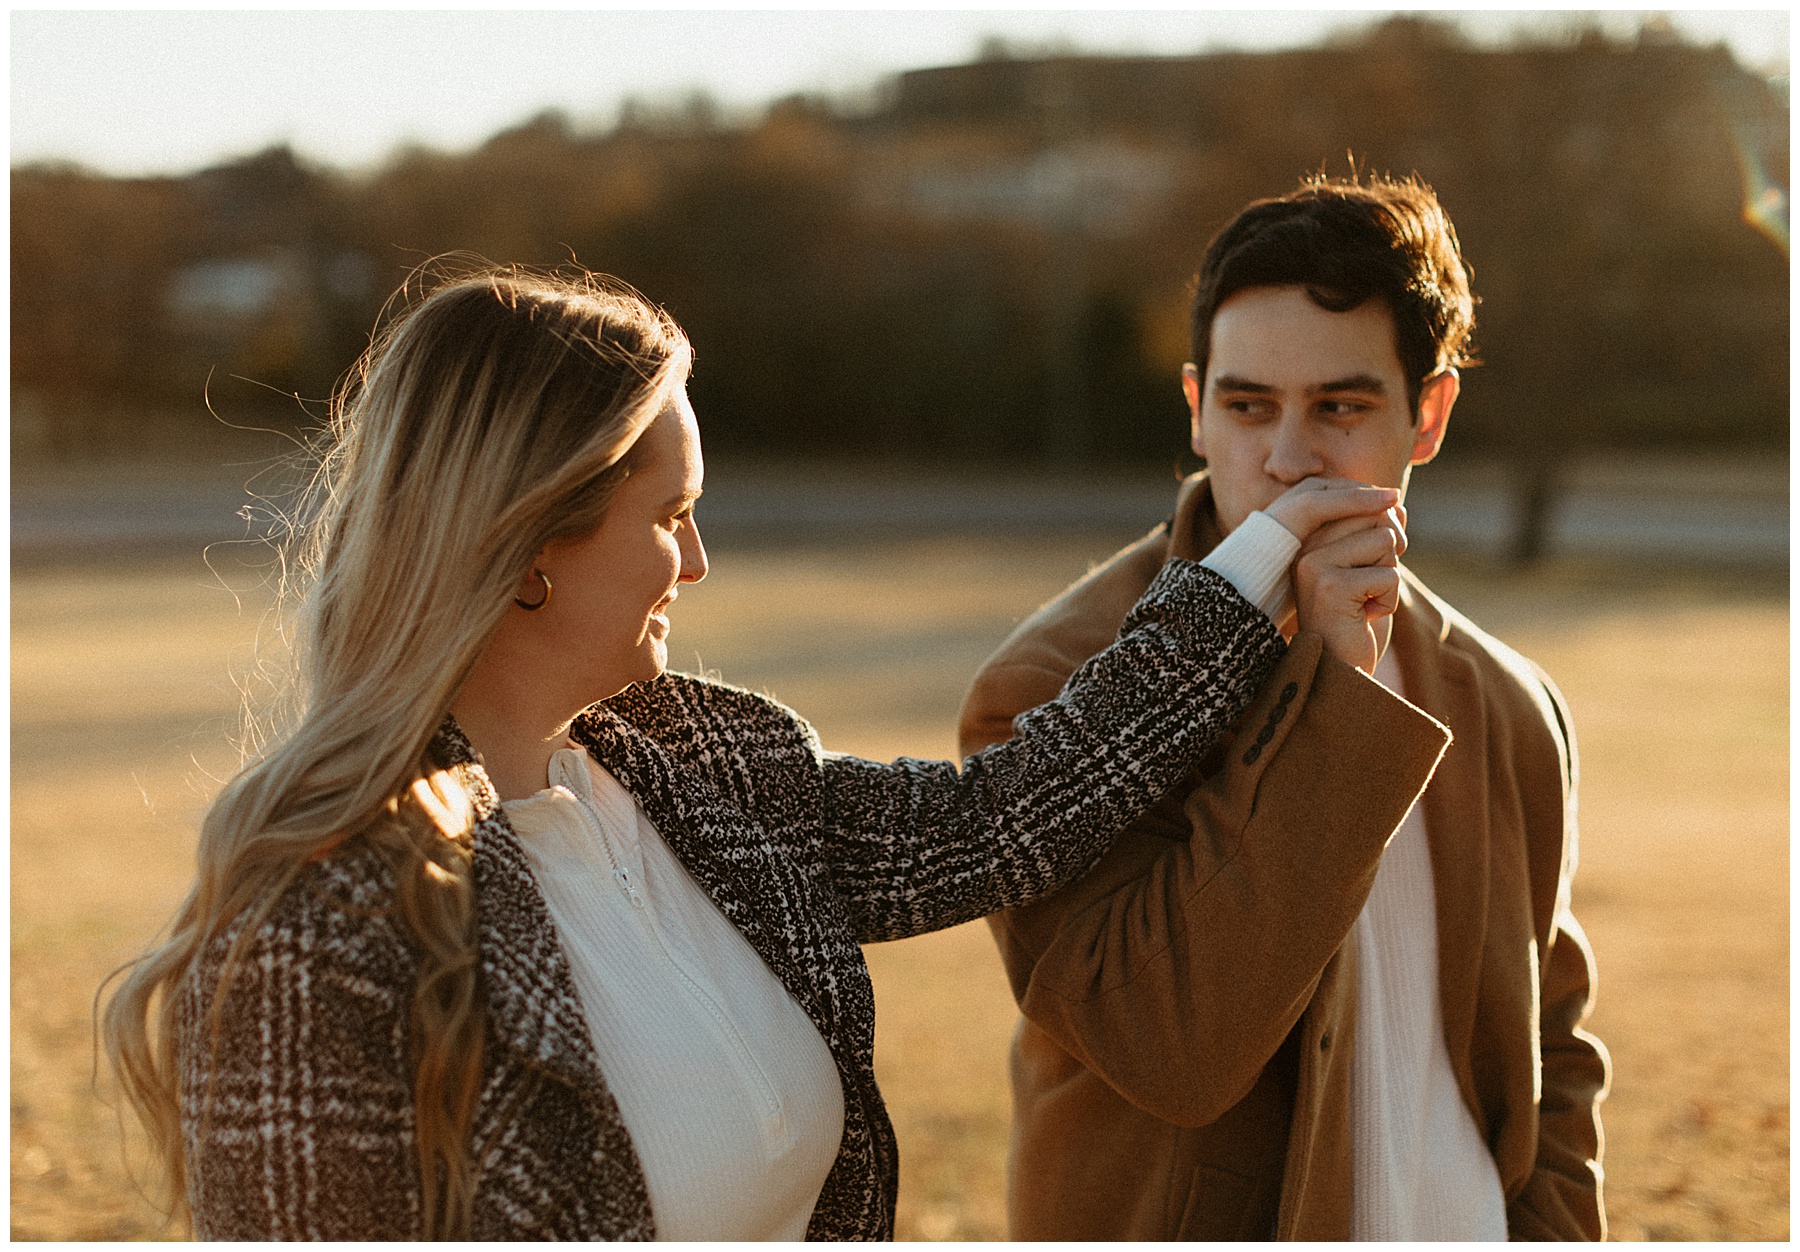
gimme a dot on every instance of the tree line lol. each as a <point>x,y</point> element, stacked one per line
<point>991,263</point>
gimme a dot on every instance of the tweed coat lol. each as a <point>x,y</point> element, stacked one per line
<point>296,1094</point>
<point>1183,1070</point>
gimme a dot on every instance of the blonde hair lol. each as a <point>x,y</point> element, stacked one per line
<point>494,415</point>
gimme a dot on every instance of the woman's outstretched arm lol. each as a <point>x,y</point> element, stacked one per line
<point>917,846</point>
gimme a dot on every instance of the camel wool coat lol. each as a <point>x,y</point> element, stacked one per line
<point>1183,1066</point>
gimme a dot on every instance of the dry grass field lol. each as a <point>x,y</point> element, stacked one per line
<point>123,695</point>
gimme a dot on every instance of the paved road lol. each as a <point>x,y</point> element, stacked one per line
<point>1647,510</point>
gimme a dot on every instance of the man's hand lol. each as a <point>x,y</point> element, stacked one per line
<point>1347,584</point>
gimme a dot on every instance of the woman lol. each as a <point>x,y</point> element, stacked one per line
<point>600,977</point>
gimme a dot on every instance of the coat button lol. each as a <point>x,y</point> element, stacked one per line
<point>1265,734</point>
<point>1289,692</point>
<point>1254,752</point>
<point>1325,1041</point>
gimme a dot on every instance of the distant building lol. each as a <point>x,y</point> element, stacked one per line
<point>229,289</point>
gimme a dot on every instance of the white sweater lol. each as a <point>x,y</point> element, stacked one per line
<point>732,1099</point>
<point>1419,1168</point>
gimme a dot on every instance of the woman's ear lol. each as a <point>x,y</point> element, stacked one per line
<point>1190,387</point>
<point>1437,395</point>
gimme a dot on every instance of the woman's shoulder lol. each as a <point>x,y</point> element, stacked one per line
<point>306,996</point>
<point>678,709</point>
<point>332,928</point>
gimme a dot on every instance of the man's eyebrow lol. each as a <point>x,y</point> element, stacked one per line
<point>1232,382</point>
<point>1355,382</point>
<point>684,500</point>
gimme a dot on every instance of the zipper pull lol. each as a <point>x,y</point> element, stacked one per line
<point>624,877</point>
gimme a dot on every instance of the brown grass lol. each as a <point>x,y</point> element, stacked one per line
<point>122,698</point>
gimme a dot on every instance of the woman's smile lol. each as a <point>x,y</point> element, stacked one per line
<point>659,616</point>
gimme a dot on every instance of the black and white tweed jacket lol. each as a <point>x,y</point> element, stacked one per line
<point>298,1122</point>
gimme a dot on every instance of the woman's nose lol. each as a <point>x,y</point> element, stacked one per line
<point>693,553</point>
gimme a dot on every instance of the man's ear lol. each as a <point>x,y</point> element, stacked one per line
<point>1437,395</point>
<point>1190,387</point>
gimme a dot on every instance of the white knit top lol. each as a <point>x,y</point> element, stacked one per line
<point>1419,1168</point>
<point>732,1099</point>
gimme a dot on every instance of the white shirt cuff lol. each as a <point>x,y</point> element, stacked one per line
<point>1255,559</point>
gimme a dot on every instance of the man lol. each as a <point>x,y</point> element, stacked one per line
<point>1260,1016</point>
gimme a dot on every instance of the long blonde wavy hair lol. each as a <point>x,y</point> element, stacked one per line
<point>495,413</point>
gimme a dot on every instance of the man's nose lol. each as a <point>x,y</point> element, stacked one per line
<point>1292,456</point>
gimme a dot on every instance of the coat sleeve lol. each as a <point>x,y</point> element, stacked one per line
<point>916,846</point>
<point>296,1109</point>
<point>1203,933</point>
<point>1563,1198</point>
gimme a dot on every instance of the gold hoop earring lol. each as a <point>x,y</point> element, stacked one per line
<point>543,578</point>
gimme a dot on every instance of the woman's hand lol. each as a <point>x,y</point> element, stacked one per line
<point>1313,502</point>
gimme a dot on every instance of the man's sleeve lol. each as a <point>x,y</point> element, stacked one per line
<point>1564,1198</point>
<point>1203,932</point>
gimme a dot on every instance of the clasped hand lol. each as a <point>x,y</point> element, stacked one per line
<point>1347,575</point>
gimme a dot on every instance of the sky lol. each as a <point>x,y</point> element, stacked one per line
<point>160,92</point>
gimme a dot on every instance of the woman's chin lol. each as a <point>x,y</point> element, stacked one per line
<point>655,660</point>
<point>645,663</point>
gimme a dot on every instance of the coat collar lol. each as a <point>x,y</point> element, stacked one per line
<point>534,1012</point>
<point>1194,530</point>
<point>704,792</point>
<point>536,1024</point>
<point>533,1008</point>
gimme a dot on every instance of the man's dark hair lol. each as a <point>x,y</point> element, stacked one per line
<point>1345,241</point>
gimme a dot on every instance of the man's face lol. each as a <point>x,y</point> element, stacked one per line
<point>1294,391</point>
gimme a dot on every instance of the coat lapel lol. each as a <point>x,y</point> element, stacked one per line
<point>548,1165</point>
<point>701,790</point>
<point>762,893</point>
<point>532,1004</point>
<point>1442,681</point>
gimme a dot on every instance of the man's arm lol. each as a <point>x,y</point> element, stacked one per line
<point>1203,932</point>
<point>1563,1198</point>
<point>1176,969</point>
